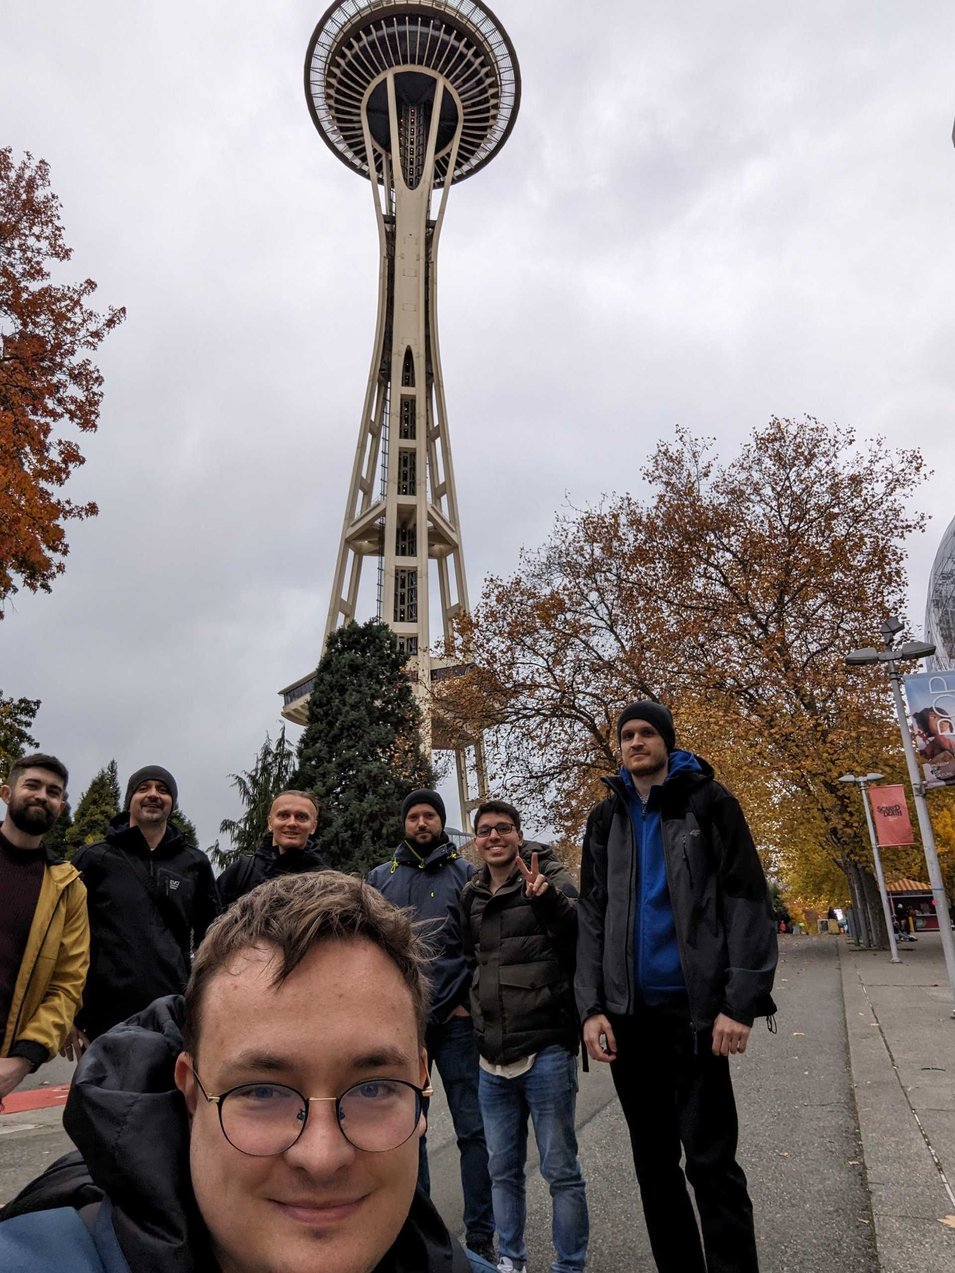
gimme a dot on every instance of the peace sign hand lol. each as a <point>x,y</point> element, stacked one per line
<point>535,884</point>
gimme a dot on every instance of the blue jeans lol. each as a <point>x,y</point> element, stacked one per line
<point>452,1049</point>
<point>548,1093</point>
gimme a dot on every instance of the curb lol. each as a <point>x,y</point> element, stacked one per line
<point>910,1196</point>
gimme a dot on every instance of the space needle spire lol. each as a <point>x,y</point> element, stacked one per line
<point>414,97</point>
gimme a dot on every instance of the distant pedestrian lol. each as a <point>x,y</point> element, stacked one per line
<point>287,847</point>
<point>426,873</point>
<point>44,930</point>
<point>151,897</point>
<point>675,959</point>
<point>518,918</point>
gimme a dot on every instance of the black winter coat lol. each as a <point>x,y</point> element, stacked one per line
<point>431,886</point>
<point>266,863</point>
<point>129,1122</point>
<point>521,951</point>
<point>141,941</point>
<point>724,924</point>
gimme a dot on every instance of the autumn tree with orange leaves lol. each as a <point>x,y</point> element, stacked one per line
<point>731,593</point>
<point>48,383</point>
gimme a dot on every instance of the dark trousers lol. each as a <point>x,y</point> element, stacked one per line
<point>451,1047</point>
<point>676,1096</point>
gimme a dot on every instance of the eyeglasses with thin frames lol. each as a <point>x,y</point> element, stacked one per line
<point>266,1119</point>
<point>502,828</point>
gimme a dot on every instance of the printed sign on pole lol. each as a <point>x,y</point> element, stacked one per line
<point>890,814</point>
<point>931,699</point>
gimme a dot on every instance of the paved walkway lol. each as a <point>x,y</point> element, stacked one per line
<point>902,1053</point>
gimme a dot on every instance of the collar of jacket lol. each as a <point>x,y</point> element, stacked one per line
<point>406,855</point>
<point>687,771</point>
<point>132,839</point>
<point>269,850</point>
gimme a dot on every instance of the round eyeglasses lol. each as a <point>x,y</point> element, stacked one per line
<point>264,1119</point>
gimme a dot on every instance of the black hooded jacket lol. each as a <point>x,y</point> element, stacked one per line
<point>148,910</point>
<point>266,863</point>
<point>717,891</point>
<point>129,1123</point>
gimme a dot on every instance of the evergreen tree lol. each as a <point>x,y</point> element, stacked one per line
<point>186,826</point>
<point>257,787</point>
<point>361,751</point>
<point>98,803</point>
<point>16,721</point>
<point>56,840</point>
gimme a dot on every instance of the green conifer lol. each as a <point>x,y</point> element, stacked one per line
<point>55,840</point>
<point>98,803</point>
<point>270,774</point>
<point>361,751</point>
<point>186,826</point>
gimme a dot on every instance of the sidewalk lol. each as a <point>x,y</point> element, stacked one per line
<point>902,1055</point>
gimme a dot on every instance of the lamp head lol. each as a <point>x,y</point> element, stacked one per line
<point>856,658</point>
<point>915,650</point>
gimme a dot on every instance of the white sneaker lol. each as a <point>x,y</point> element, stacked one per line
<point>506,1265</point>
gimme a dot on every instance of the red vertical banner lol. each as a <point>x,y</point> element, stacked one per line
<point>890,813</point>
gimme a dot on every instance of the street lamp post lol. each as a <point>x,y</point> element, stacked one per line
<point>891,657</point>
<point>863,784</point>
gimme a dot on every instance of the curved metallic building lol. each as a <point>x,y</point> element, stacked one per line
<point>940,605</point>
<point>414,97</point>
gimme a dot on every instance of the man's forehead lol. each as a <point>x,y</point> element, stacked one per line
<point>248,979</point>
<point>153,782</point>
<point>638,727</point>
<point>46,776</point>
<point>417,810</point>
<point>282,803</point>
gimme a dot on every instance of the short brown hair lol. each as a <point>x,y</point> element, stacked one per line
<point>39,760</point>
<point>302,795</point>
<point>295,913</point>
<point>497,806</point>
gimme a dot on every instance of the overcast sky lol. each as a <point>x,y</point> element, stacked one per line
<point>707,214</point>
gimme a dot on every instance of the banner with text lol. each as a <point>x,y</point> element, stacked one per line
<point>931,699</point>
<point>890,813</point>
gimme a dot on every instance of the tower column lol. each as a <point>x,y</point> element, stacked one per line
<point>415,97</point>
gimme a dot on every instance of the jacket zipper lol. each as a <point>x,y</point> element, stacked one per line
<point>676,926</point>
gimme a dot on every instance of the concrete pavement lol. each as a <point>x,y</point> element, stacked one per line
<point>848,1168</point>
<point>902,1053</point>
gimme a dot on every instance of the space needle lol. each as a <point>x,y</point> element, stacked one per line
<point>414,97</point>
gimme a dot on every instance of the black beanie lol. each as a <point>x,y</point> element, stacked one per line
<point>424,797</point>
<point>654,714</point>
<point>143,775</point>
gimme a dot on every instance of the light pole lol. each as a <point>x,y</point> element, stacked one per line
<point>891,657</point>
<point>863,784</point>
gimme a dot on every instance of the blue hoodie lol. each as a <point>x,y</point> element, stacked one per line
<point>658,972</point>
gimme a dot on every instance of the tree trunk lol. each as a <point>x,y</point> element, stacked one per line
<point>864,935</point>
<point>880,938</point>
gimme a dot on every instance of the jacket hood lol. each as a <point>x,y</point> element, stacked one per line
<point>129,1121</point>
<point>685,769</point>
<point>443,851</point>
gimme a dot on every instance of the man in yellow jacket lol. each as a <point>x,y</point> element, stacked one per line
<point>44,929</point>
